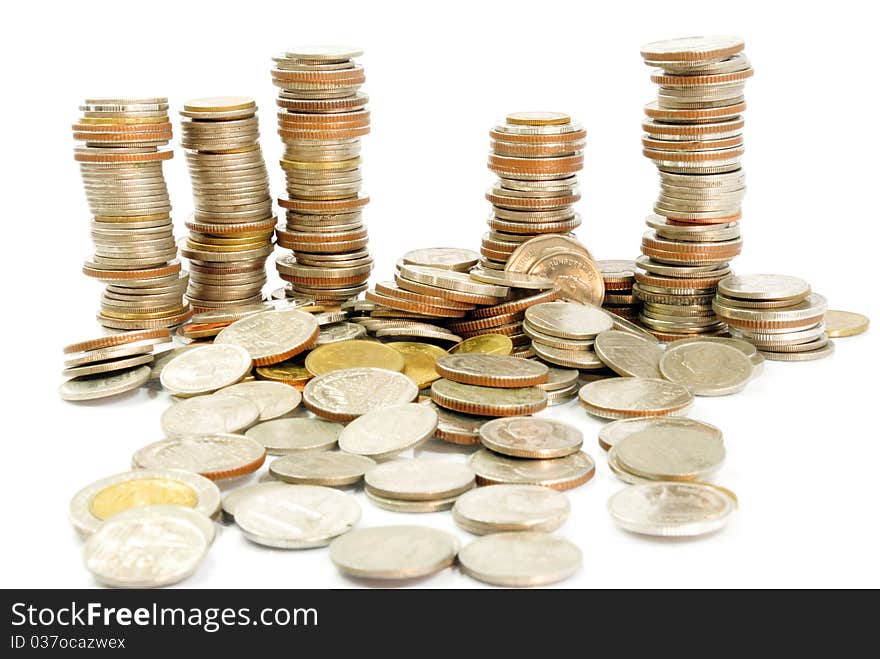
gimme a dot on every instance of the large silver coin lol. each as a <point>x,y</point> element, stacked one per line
<point>628,354</point>
<point>764,287</point>
<point>207,415</point>
<point>230,501</point>
<point>272,336</point>
<point>707,369</point>
<point>525,558</point>
<point>148,547</point>
<point>162,359</point>
<point>283,436</point>
<point>421,479</point>
<point>385,432</point>
<point>672,449</point>
<point>487,401</point>
<point>612,433</point>
<point>273,398</point>
<point>205,369</point>
<point>336,332</point>
<point>297,516</point>
<point>393,552</point>
<point>629,397</point>
<point>530,437</point>
<point>212,456</point>
<point>332,468</point>
<point>491,370</point>
<point>348,393</point>
<point>447,258</point>
<point>559,378</point>
<point>499,508</point>
<point>557,473</point>
<point>569,320</point>
<point>92,387</point>
<point>671,509</point>
<point>455,428</point>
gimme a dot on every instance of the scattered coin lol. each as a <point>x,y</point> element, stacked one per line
<point>346,394</point>
<point>707,369</point>
<point>456,428</point>
<point>283,436</point>
<point>529,437</point>
<point>446,258</point>
<point>387,431</point>
<point>615,398</point>
<point>487,401</point>
<point>213,456</point>
<point>410,506</point>
<point>568,320</point>
<point>272,336</point>
<point>500,508</point>
<point>492,344</point>
<point>844,323</point>
<point>558,379</point>
<point>557,473</point>
<point>206,415</point>
<point>273,398</point>
<point>205,369</point>
<point>231,499</point>
<point>353,354</point>
<point>420,479</point>
<point>629,354</point>
<point>331,468</point>
<point>526,558</point>
<point>419,361</point>
<point>491,370</point>
<point>103,385</point>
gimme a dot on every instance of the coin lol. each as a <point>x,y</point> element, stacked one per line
<point>292,373</point>
<point>629,354</point>
<point>103,385</point>
<point>580,359</point>
<point>491,370</point>
<point>216,456</point>
<point>205,369</point>
<point>148,547</point>
<point>346,394</point>
<point>707,369</point>
<point>283,436</point>
<point>408,506</point>
<point>419,360</point>
<point>272,336</point>
<point>844,323</point>
<point>455,428</point>
<point>526,558</point>
<point>273,398</point>
<point>231,499</point>
<point>487,401</point>
<point>332,468</point>
<point>419,479</point>
<point>688,49</point>
<point>491,344</point>
<point>557,473</point>
<point>296,516</point>
<point>568,320</point>
<point>764,287</point>
<point>447,258</point>
<point>634,397</point>
<point>206,415</point>
<point>500,508</point>
<point>670,449</point>
<point>612,433</point>
<point>387,431</point>
<point>671,509</point>
<point>558,379</point>
<point>393,552</point>
<point>353,354</point>
<point>528,437</point>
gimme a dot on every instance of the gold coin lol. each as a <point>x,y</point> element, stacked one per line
<point>219,104</point>
<point>142,492</point>
<point>353,354</point>
<point>845,323</point>
<point>419,360</point>
<point>489,344</point>
<point>538,118</point>
<point>321,165</point>
<point>290,372</point>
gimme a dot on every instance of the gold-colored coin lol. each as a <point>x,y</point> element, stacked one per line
<point>538,118</point>
<point>293,373</point>
<point>142,492</point>
<point>353,354</point>
<point>489,344</point>
<point>845,323</point>
<point>419,360</point>
<point>219,104</point>
<point>321,165</point>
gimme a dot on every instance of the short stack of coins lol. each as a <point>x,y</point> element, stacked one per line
<point>693,135</point>
<point>779,314</point>
<point>619,279</point>
<point>563,333</point>
<point>231,229</point>
<point>321,118</point>
<point>536,156</point>
<point>135,253</point>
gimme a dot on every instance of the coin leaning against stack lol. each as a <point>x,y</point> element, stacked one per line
<point>321,118</point>
<point>693,135</point>
<point>135,253</point>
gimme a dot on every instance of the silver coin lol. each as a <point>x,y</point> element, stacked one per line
<point>671,509</point>
<point>622,397</point>
<point>274,399</point>
<point>230,501</point>
<point>707,369</point>
<point>454,427</point>
<point>387,431</point>
<point>92,387</point>
<point>148,547</point>
<point>500,508</point>
<point>824,351</point>
<point>345,394</point>
<point>409,506</point>
<point>394,552</point>
<point>296,516</point>
<point>624,325</point>
<point>629,354</point>
<point>283,436</point>
<point>764,287</point>
<point>558,473</point>
<point>205,369</point>
<point>627,477</point>
<point>271,335</point>
<point>491,370</point>
<point>332,468</point>
<point>336,332</point>
<point>579,359</point>
<point>420,479</point>
<point>447,258</point>
<point>612,433</point>
<point>671,449</point>
<point>205,415</point>
<point>511,279</point>
<point>526,558</point>
<point>558,379</point>
<point>568,320</point>
<point>530,437</point>
<point>99,368</point>
<point>212,456</point>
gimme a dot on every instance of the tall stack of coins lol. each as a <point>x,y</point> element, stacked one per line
<point>321,119</point>
<point>693,135</point>
<point>536,156</point>
<point>135,253</point>
<point>619,279</point>
<point>231,228</point>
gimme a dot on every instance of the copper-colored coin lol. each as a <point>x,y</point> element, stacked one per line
<point>81,155</point>
<point>515,306</point>
<point>325,207</point>
<point>693,49</point>
<point>485,323</point>
<point>458,296</point>
<point>312,134</point>
<point>708,80</point>
<point>543,138</point>
<point>562,165</point>
<point>116,340</point>
<point>390,289</point>
<point>488,401</point>
<point>682,145</point>
<point>408,305</point>
<point>150,273</point>
<point>344,104</point>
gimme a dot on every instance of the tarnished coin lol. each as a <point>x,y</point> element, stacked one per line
<point>615,398</point>
<point>419,360</point>
<point>384,432</point>
<point>212,456</point>
<point>628,354</point>
<point>346,394</point>
<point>488,401</point>
<point>526,558</point>
<point>492,370</point>
<point>557,473</point>
<point>844,323</point>
<point>296,516</point>
<point>148,547</point>
<point>500,508</point>
<point>569,320</point>
<point>353,354</point>
<point>103,385</point>
<point>283,436</point>
<point>273,398</point>
<point>446,258</point>
<point>410,506</point>
<point>420,479</point>
<point>207,415</point>
<point>205,369</point>
<point>332,468</point>
<point>490,344</point>
<point>612,433</point>
<point>528,437</point>
<point>671,509</point>
<point>764,287</point>
<point>707,369</point>
<point>393,552</point>
<point>272,336</point>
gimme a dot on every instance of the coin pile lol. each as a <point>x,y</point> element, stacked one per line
<point>779,314</point>
<point>231,229</point>
<point>536,156</point>
<point>619,279</point>
<point>135,253</point>
<point>693,135</point>
<point>321,119</point>
<point>563,333</point>
<point>420,485</point>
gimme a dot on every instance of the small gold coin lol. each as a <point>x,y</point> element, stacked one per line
<point>845,323</point>
<point>353,354</point>
<point>141,492</point>
<point>293,373</point>
<point>419,360</point>
<point>219,104</point>
<point>538,118</point>
<point>489,344</point>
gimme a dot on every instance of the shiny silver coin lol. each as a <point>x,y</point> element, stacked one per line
<point>206,415</point>
<point>103,385</point>
<point>232,498</point>
<point>511,279</point>
<point>491,370</point>
<point>420,479</point>
<point>409,506</point>
<point>579,359</point>
<point>283,436</point>
<point>346,394</point>
<point>558,379</point>
<point>446,258</point>
<point>336,332</point>
<point>500,508</point>
<point>274,399</point>
<point>764,287</point>
<point>630,397</point>
<point>707,369</point>
<point>212,456</point>
<point>671,509</point>
<point>558,473</point>
<point>271,336</point>
<point>825,351</point>
<point>331,468</point>
<point>568,320</point>
<point>387,431</point>
<point>526,558</point>
<point>530,437</point>
<point>205,369</point>
<point>629,354</point>
<point>612,433</point>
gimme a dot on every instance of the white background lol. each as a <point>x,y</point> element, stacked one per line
<point>802,439</point>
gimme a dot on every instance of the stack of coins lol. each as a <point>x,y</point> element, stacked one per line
<point>417,486</point>
<point>231,228</point>
<point>563,333</point>
<point>135,253</point>
<point>536,156</point>
<point>693,135</point>
<point>779,314</point>
<point>619,279</point>
<point>321,119</point>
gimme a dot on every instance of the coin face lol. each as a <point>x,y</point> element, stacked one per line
<point>499,508</point>
<point>844,323</point>
<point>629,397</point>
<point>207,415</point>
<point>272,336</point>
<point>569,320</point>
<point>232,498</point>
<point>213,456</point>
<point>346,394</point>
<point>456,428</point>
<point>353,354</point>
<point>492,370</point>
<point>671,509</point>
<point>387,431</point>
<point>492,344</point>
<point>526,558</point>
<point>296,516</point>
<point>575,274</point>
<point>487,401</point>
<point>707,369</point>
<point>420,479</point>
<point>628,354</point>
<point>148,547</point>
<point>283,436</point>
<point>393,552</point>
<point>689,49</point>
<point>336,332</point>
<point>332,468</point>
<point>671,449</point>
<point>530,437</point>
<point>103,385</point>
<point>559,473</point>
<point>419,360</point>
<point>447,258</point>
<point>764,287</point>
<point>273,398</point>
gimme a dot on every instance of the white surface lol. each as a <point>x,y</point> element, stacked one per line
<point>802,441</point>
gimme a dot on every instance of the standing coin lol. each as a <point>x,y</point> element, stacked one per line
<point>629,355</point>
<point>528,437</point>
<point>525,558</point>
<point>421,479</point>
<point>844,323</point>
<point>212,456</point>
<point>205,369</point>
<point>283,436</point>
<point>332,468</point>
<point>492,370</point>
<point>346,394</point>
<point>273,398</point>
<point>499,508</point>
<point>707,369</point>
<point>559,473</point>
<point>272,336</point>
<point>615,398</point>
<point>205,415</point>
<point>387,431</point>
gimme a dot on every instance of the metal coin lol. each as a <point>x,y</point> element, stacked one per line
<point>634,397</point>
<point>568,320</point>
<point>112,365</point>
<point>490,344</point>
<point>353,354</point>
<point>419,360</point>
<point>283,436</point>
<point>382,433</point>
<point>487,401</point>
<point>670,449</point>
<point>455,428</point>
<point>764,287</point>
<point>272,336</point>
<point>336,332</point>
<point>671,509</point>
<point>206,415</point>
<point>346,394</point>
<point>492,370</point>
<point>408,506</point>
<point>629,354</point>
<point>580,359</point>
<point>707,369</point>
<point>558,379</point>
<point>420,479</point>
<point>529,437</point>
<point>558,473</point>
<point>500,508</point>
<point>446,258</point>
<point>525,558</point>
<point>273,398</point>
<point>844,323</point>
<point>212,456</point>
<point>232,498</point>
<point>205,369</point>
<point>332,468</point>
<point>103,385</point>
